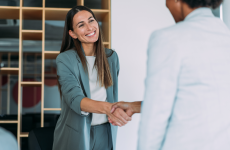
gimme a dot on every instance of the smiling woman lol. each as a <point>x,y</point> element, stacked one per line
<point>88,84</point>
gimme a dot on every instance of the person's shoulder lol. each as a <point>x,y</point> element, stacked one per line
<point>7,140</point>
<point>67,55</point>
<point>168,34</point>
<point>111,54</point>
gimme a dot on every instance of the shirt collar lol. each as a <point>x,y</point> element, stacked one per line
<point>199,12</point>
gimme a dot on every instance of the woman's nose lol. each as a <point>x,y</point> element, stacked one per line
<point>89,27</point>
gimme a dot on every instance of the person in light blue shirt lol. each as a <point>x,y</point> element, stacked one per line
<point>187,89</point>
<point>7,140</point>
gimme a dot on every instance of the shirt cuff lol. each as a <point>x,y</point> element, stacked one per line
<point>84,113</point>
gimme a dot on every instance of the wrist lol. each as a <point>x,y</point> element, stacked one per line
<point>106,107</point>
<point>136,107</point>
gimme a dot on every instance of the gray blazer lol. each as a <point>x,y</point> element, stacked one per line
<point>72,130</point>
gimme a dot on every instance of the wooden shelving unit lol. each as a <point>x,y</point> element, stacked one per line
<point>43,13</point>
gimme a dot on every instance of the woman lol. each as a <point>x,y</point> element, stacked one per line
<point>187,88</point>
<point>87,76</point>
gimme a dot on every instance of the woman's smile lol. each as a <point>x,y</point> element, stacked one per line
<point>91,34</point>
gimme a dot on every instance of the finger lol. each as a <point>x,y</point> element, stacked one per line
<point>125,116</point>
<point>115,120</point>
<point>110,121</point>
<point>120,118</point>
<point>121,114</point>
<point>114,106</point>
<point>119,122</point>
<point>112,110</point>
<point>114,124</point>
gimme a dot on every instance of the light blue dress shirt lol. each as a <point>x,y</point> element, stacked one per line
<point>187,96</point>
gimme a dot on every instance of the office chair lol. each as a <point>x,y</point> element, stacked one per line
<point>41,138</point>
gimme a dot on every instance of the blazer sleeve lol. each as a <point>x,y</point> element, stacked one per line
<point>163,65</point>
<point>71,90</point>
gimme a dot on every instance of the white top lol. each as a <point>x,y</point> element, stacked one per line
<point>187,88</point>
<point>97,92</point>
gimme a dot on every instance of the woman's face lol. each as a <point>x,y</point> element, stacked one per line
<point>85,27</point>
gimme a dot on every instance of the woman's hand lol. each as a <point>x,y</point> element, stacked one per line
<point>119,117</point>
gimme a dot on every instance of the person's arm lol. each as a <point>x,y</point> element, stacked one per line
<point>72,92</point>
<point>132,107</point>
<point>163,67</point>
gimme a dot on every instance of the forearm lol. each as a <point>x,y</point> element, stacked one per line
<point>92,106</point>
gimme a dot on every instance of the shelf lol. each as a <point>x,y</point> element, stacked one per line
<point>7,12</point>
<point>9,71</point>
<point>106,43</point>
<point>100,13</point>
<point>62,3</point>
<point>33,84</point>
<point>52,109</point>
<point>32,13</point>
<point>24,134</point>
<point>32,34</point>
<point>51,54</point>
<point>32,31</point>
<point>60,13</point>
<point>92,4</point>
<point>8,121</point>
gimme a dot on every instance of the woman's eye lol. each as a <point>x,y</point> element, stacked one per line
<point>81,25</point>
<point>91,20</point>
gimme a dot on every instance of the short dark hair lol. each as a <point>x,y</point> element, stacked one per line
<point>203,3</point>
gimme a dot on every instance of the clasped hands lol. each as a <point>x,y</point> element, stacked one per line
<point>121,112</point>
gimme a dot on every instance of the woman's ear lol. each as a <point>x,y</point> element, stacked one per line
<point>72,34</point>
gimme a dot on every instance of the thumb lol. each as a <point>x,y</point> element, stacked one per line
<point>114,106</point>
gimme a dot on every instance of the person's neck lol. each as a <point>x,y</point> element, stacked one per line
<point>186,10</point>
<point>89,49</point>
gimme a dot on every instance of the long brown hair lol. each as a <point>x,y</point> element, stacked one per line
<point>101,62</point>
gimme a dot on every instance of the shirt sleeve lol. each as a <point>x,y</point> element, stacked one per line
<point>163,65</point>
<point>72,92</point>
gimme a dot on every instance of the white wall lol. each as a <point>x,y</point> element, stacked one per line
<point>226,12</point>
<point>132,23</point>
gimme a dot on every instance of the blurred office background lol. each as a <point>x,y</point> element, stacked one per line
<point>132,22</point>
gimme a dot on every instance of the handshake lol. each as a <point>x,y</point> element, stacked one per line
<point>121,112</point>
